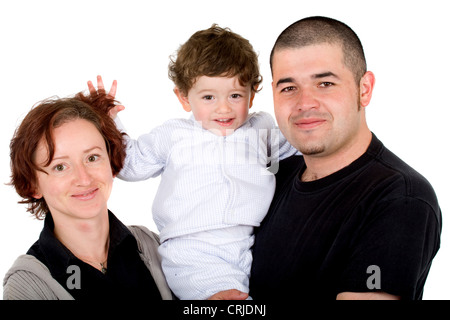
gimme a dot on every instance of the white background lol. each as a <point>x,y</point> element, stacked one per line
<point>52,48</point>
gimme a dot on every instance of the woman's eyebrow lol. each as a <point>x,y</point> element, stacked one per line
<point>91,149</point>
<point>85,151</point>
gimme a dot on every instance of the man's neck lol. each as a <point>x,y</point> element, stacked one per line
<point>320,166</point>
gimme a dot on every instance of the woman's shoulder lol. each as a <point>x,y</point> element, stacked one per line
<point>30,279</point>
<point>144,235</point>
<point>148,243</point>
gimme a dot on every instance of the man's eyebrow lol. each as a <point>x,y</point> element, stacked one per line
<point>285,80</point>
<point>314,76</point>
<point>324,75</point>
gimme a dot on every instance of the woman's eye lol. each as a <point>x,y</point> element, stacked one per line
<point>59,167</point>
<point>93,158</point>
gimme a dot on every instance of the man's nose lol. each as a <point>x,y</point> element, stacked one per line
<point>306,100</point>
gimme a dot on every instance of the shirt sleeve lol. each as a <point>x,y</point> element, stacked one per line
<point>278,148</point>
<point>23,285</point>
<point>285,148</point>
<point>393,249</point>
<point>146,156</point>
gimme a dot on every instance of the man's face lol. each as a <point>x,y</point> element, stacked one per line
<point>316,99</point>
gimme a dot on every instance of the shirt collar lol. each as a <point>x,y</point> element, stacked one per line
<point>198,125</point>
<point>58,258</point>
<point>372,152</point>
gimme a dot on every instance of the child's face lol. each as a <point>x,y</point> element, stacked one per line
<point>221,104</point>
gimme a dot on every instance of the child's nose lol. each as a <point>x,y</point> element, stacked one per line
<point>223,107</point>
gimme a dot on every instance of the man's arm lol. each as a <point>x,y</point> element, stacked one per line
<point>366,296</point>
<point>231,294</point>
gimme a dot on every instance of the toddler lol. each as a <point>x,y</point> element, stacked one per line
<point>215,182</point>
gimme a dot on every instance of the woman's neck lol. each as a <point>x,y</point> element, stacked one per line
<point>87,239</point>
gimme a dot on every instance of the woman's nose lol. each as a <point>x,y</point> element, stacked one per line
<point>83,176</point>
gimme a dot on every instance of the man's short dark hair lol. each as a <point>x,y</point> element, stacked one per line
<point>318,30</point>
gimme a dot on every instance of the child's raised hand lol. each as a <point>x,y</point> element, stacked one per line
<point>101,90</point>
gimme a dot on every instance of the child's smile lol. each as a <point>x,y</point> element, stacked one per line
<point>220,104</point>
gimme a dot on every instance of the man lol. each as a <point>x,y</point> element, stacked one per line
<point>349,219</point>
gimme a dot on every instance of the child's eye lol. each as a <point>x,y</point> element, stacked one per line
<point>236,95</point>
<point>208,97</point>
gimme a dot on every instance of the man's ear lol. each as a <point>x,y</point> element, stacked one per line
<point>366,86</point>
<point>183,99</point>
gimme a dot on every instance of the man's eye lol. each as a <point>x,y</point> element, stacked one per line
<point>326,84</point>
<point>287,89</point>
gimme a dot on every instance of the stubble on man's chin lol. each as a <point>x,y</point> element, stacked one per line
<point>311,150</point>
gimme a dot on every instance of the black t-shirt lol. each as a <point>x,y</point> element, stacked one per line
<point>374,225</point>
<point>126,277</point>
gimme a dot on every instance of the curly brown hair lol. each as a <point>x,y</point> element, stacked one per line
<point>215,52</point>
<point>38,126</point>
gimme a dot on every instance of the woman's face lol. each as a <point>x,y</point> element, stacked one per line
<point>78,181</point>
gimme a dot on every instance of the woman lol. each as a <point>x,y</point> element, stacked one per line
<point>64,157</point>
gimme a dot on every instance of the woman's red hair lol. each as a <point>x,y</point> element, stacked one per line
<point>38,126</point>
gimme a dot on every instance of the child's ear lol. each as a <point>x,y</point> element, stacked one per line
<point>252,96</point>
<point>183,99</point>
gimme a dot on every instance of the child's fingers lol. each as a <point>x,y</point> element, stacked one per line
<point>113,90</point>
<point>114,111</point>
<point>100,85</point>
<point>91,88</point>
<point>101,88</point>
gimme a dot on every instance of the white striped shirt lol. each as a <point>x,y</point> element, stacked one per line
<point>208,181</point>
